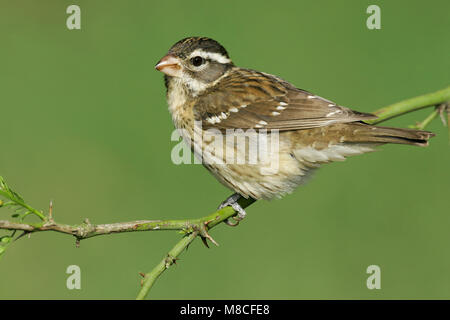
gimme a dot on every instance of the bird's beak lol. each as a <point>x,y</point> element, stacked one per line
<point>170,65</point>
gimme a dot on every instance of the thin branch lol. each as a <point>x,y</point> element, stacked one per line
<point>421,125</point>
<point>171,258</point>
<point>88,230</point>
<point>210,222</point>
<point>413,104</point>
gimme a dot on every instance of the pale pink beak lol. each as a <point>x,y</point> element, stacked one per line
<point>170,65</point>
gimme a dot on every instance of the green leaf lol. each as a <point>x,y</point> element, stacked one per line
<point>17,202</point>
<point>5,239</point>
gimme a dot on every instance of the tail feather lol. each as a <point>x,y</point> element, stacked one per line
<point>370,133</point>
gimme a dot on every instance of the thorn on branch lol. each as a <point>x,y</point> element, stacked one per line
<point>170,261</point>
<point>143,278</point>
<point>444,109</point>
<point>204,242</point>
<point>204,233</point>
<point>50,212</point>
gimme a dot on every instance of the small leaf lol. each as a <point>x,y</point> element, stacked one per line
<point>6,239</point>
<point>16,195</point>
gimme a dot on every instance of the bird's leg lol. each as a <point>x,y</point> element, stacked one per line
<point>232,201</point>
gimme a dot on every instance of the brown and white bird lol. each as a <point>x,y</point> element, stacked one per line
<point>205,91</point>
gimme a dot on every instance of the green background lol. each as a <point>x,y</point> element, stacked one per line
<point>83,121</point>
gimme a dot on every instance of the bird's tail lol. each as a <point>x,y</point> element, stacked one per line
<point>364,133</point>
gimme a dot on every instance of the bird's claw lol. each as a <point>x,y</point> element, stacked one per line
<point>232,201</point>
<point>230,223</point>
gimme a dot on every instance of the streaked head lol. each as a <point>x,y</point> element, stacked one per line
<point>196,61</point>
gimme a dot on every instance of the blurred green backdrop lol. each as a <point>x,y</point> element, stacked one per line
<point>84,122</point>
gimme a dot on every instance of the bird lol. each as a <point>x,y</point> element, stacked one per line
<point>208,95</point>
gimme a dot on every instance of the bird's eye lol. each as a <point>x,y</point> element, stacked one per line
<point>197,61</point>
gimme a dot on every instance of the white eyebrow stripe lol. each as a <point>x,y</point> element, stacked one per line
<point>210,55</point>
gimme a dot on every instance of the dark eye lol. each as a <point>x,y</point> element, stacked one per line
<point>197,61</point>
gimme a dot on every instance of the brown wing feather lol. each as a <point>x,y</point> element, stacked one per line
<point>247,99</point>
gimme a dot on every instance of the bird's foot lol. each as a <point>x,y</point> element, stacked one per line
<point>232,201</point>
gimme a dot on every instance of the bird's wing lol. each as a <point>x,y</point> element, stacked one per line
<point>247,99</point>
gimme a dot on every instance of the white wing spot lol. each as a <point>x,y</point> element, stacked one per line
<point>311,97</point>
<point>274,113</point>
<point>234,110</point>
<point>213,119</point>
<point>332,113</point>
<point>258,126</point>
<point>280,107</point>
<point>263,122</point>
<point>331,105</point>
<point>283,104</point>
<point>223,115</point>
<point>244,106</point>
